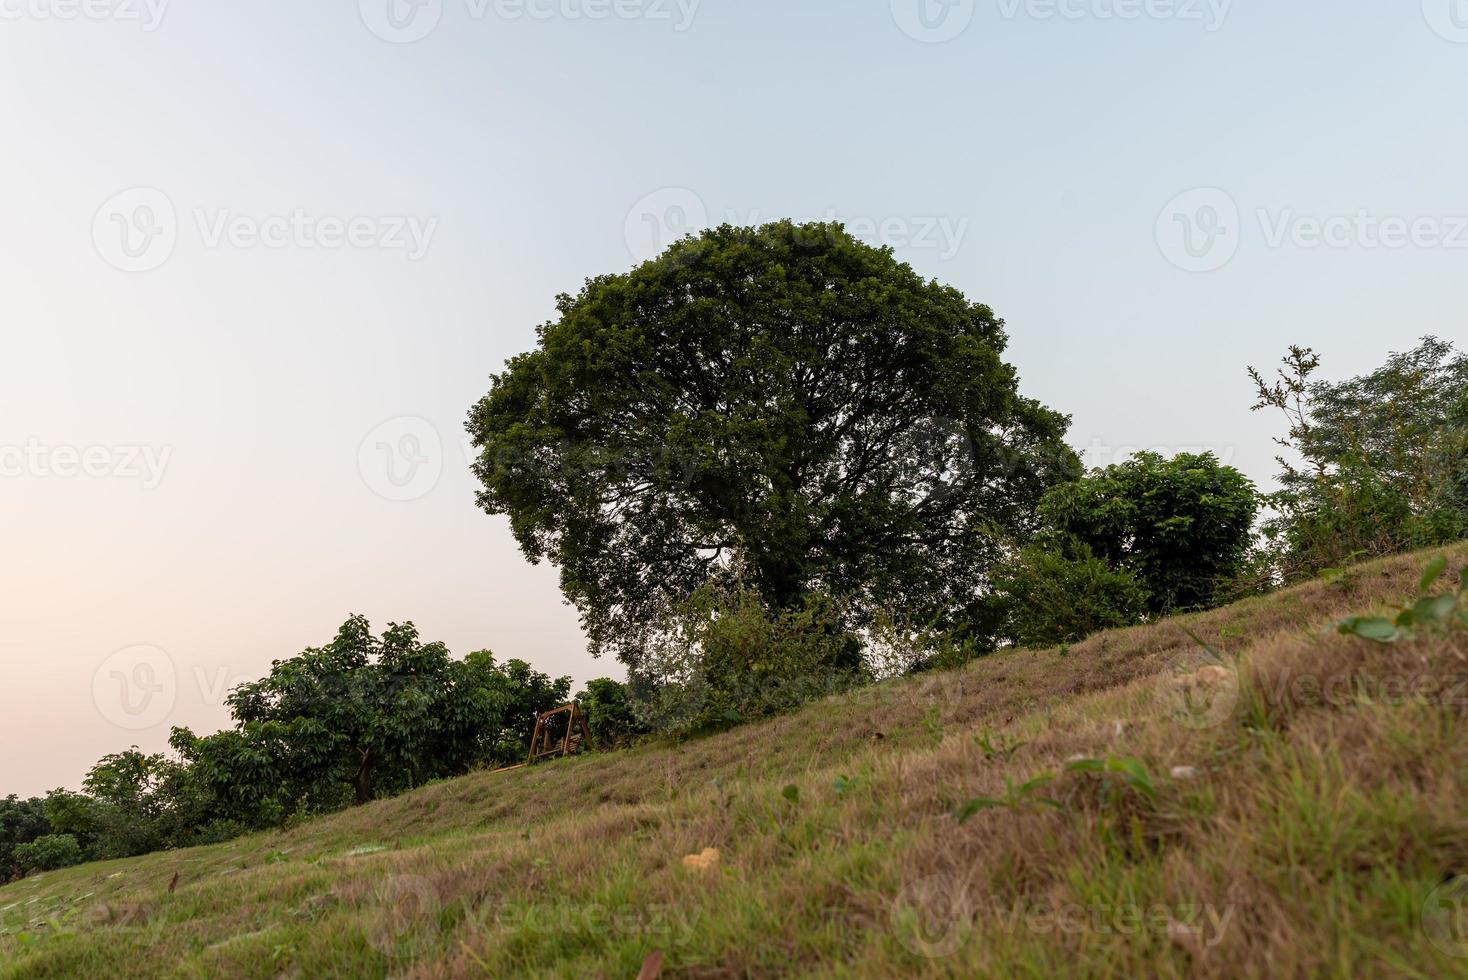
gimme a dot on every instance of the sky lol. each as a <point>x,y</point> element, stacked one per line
<point>259,259</point>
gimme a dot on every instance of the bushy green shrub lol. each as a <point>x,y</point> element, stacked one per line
<point>734,660</point>
<point>1050,598</point>
<point>609,714</point>
<point>1182,527</point>
<point>48,853</point>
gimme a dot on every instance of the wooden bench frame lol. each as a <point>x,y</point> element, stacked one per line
<point>543,746</point>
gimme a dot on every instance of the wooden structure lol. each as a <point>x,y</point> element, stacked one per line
<point>545,745</point>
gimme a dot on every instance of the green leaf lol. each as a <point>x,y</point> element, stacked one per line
<point>1433,572</point>
<point>1371,628</point>
<point>791,793</point>
<point>973,806</point>
<point>1086,765</point>
<point>1034,784</point>
<point>1435,610</point>
<point>1136,774</point>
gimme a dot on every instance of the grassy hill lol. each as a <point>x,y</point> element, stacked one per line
<point>1298,806</point>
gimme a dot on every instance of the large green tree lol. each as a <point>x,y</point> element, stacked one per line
<point>785,402</point>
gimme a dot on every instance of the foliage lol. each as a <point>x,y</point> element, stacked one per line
<point>733,659</point>
<point>1181,527</point>
<point>1119,775</point>
<point>1382,458</point>
<point>609,713</point>
<point>130,797</point>
<point>1048,598</point>
<point>1427,612</point>
<point>21,821</point>
<point>1017,797</point>
<point>359,718</point>
<point>47,853</point>
<point>784,403</point>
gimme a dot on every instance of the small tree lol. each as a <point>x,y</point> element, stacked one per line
<point>1181,528</point>
<point>48,853</point>
<point>130,803</point>
<point>1047,597</point>
<point>359,718</point>
<point>1373,465</point>
<point>21,821</point>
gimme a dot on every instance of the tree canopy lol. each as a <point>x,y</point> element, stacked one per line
<point>1182,527</point>
<point>785,404</point>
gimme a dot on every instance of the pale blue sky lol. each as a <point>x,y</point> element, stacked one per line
<point>1032,158</point>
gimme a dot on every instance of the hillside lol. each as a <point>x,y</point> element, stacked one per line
<point>1302,820</point>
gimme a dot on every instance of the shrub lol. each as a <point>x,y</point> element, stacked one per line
<point>1182,527</point>
<point>1051,598</point>
<point>733,660</point>
<point>48,853</point>
<point>609,714</point>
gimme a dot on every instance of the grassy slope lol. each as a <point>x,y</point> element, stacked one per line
<point>1307,841</point>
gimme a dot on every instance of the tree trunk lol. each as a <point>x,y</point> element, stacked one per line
<point>362,782</point>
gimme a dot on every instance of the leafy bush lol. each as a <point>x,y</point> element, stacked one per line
<point>21,821</point>
<point>609,713</point>
<point>734,660</point>
<point>1049,598</point>
<point>48,853</point>
<point>1182,527</point>
<point>359,718</point>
